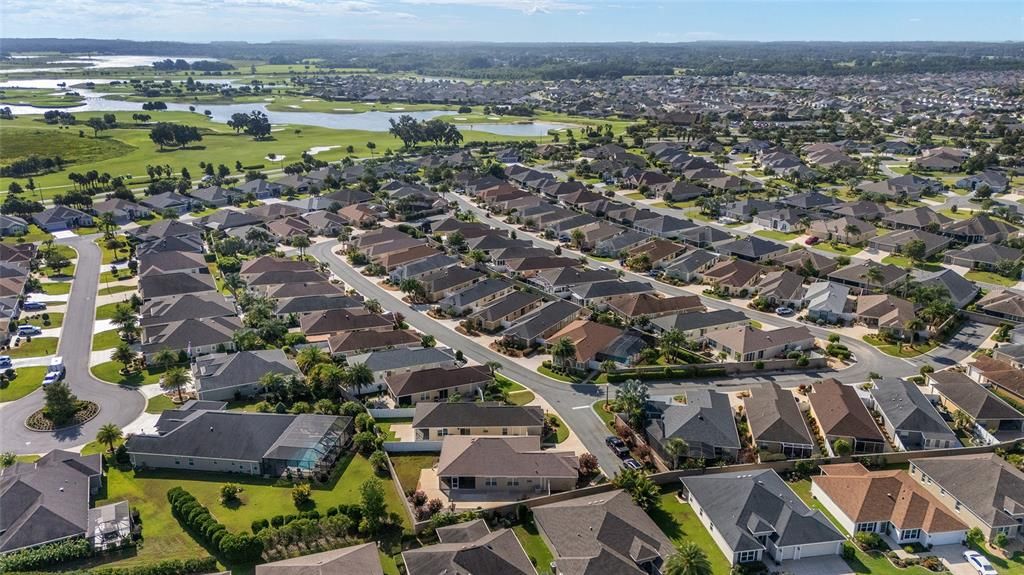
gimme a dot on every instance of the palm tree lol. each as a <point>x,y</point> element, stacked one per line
<point>874,276</point>
<point>851,230</point>
<point>302,242</point>
<point>493,367</point>
<point>562,349</point>
<point>913,326</point>
<point>671,341</point>
<point>124,355</point>
<point>677,448</point>
<point>174,379</point>
<point>233,282</point>
<point>125,319</point>
<point>309,357</point>
<point>359,375</point>
<point>689,559</point>
<point>373,306</point>
<point>608,366</point>
<point>109,434</point>
<point>165,358</point>
<point>577,238</point>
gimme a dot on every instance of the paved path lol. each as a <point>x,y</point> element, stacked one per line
<point>119,405</point>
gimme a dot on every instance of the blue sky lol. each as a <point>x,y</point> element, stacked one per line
<point>516,20</point>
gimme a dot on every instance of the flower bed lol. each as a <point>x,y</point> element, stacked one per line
<point>38,421</point>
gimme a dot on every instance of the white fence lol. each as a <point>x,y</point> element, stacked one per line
<point>393,413</point>
<point>412,446</point>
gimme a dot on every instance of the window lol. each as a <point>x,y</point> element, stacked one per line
<point>865,527</point>
<point>911,535</point>
<point>442,432</point>
<point>957,507</point>
<point>177,462</point>
<point>463,431</point>
<point>491,482</point>
<point>504,431</point>
<point>191,461</point>
<point>746,556</point>
<point>513,482</point>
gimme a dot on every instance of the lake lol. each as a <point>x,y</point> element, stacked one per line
<point>368,121</point>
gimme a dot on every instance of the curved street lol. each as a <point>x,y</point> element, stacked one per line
<point>118,405</point>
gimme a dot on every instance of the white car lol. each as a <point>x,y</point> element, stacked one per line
<point>980,563</point>
<point>51,377</point>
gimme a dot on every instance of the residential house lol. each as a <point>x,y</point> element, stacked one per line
<point>752,249</point>
<point>861,209</point>
<point>983,489</point>
<point>1002,375</point>
<point>1003,304</point>
<point>901,188</point>
<point>958,393</point>
<point>919,218</point>
<point>260,189</point>
<point>889,314</point>
<point>123,211</point>
<point>196,336</point>
<point>807,263</point>
<point>598,294</point>
<point>754,516</point>
<point>363,559</point>
<point>895,242</point>
<point>735,277</point>
<point>443,283</point>
<point>887,502</point>
<point>560,281</point>
<point>164,310</point>
<point>980,228</point>
<point>657,251</point>
<point>995,181</point>
<point>982,256</point>
<point>388,363</point>
<point>909,417</point>
<point>168,202</point>
<point>602,533</point>
<point>590,340</point>
<point>241,442</point>
<point>690,266</point>
<point>503,468</point>
<point>60,218</point>
<point>749,344</point>
<point>536,328</point>
<point>842,414</point>
<point>634,306</point>
<point>437,384</point>
<point>12,226</point>
<point>470,548</point>
<point>477,296</point>
<point>356,342</point>
<point>961,290</point>
<point>777,424</point>
<point>704,421</point>
<point>829,302</point>
<point>844,229</point>
<point>216,196</point>
<point>506,310</point>
<point>695,326</point>
<point>230,376</point>
<point>782,288</point>
<point>435,421</point>
<point>164,263</point>
<point>859,275</point>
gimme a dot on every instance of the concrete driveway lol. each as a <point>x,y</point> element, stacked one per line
<point>953,557</point>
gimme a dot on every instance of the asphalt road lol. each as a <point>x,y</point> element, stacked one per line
<point>119,405</point>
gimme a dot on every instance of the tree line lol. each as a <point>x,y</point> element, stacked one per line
<point>412,131</point>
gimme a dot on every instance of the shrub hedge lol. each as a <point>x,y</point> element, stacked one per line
<point>235,547</point>
<point>44,555</point>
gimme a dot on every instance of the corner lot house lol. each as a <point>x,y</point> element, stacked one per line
<point>705,422</point>
<point>437,384</point>
<point>910,419</point>
<point>59,218</point>
<point>239,442</point>
<point>48,501</point>
<point>983,489</point>
<point>435,421</point>
<point>888,502</point>
<point>503,468</point>
<point>755,516</point>
<point>602,533</point>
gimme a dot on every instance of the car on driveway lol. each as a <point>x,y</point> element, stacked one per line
<point>812,240</point>
<point>632,464</point>
<point>27,329</point>
<point>617,445</point>
<point>33,306</point>
<point>5,362</point>
<point>980,563</point>
<point>784,310</point>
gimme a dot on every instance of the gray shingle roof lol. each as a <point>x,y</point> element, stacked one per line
<point>705,422</point>
<point>476,415</point>
<point>985,483</point>
<point>906,407</point>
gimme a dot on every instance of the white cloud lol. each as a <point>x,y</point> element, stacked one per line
<point>525,6</point>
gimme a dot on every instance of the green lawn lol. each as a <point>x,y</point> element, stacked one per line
<point>108,372</point>
<point>679,522</point>
<point>35,234</point>
<point>776,235</point>
<point>159,404</point>
<point>25,382</point>
<point>635,196</point>
<point>115,290</point>
<point>536,549</point>
<point>105,340</point>
<point>164,537</point>
<point>841,249</point>
<point>109,255</point>
<point>558,376</point>
<point>38,347</point>
<point>906,350</point>
<point>957,215</point>
<point>55,288</point>
<point>408,465</point>
<point>905,263</point>
<point>517,394</point>
<point>561,430</point>
<point>56,320</point>
<point>106,311</point>
<point>108,277</point>
<point>990,278</point>
<point>606,416</point>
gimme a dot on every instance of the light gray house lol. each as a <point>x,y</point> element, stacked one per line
<point>705,422</point>
<point>390,362</point>
<point>59,218</point>
<point>754,516</point>
<point>829,302</point>
<point>230,376</point>
<point>909,417</point>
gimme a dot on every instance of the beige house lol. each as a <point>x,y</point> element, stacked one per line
<point>435,421</point>
<point>503,468</point>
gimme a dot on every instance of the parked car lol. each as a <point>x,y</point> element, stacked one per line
<point>617,445</point>
<point>33,306</point>
<point>5,362</point>
<point>632,464</point>
<point>980,563</point>
<point>783,310</point>
<point>812,240</point>
<point>28,330</point>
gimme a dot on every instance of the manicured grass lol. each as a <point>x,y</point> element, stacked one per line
<point>517,394</point>
<point>408,466</point>
<point>558,376</point>
<point>55,288</point>
<point>56,319</point>
<point>957,215</point>
<point>841,249</point>
<point>990,278</point>
<point>561,430</point>
<point>106,311</point>
<point>261,499</point>
<point>679,522</point>
<point>109,255</point>
<point>159,404</point>
<point>38,347</point>
<point>25,382</point>
<point>108,372</point>
<point>776,235</point>
<point>108,277</point>
<point>115,290</point>
<point>606,416</point>
<point>105,340</point>
<point>536,549</point>
<point>905,263</point>
<point>34,234</point>
<point>636,196</point>
<point>906,350</point>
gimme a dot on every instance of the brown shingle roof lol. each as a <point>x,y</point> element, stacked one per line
<point>840,411</point>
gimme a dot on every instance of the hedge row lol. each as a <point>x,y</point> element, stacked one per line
<point>236,548</point>
<point>44,555</point>
<point>353,512</point>
<point>667,373</point>
<point>166,567</point>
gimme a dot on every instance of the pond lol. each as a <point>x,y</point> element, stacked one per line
<point>368,121</point>
<point>96,62</point>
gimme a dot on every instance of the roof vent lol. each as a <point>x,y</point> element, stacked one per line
<point>211,428</point>
<point>61,489</point>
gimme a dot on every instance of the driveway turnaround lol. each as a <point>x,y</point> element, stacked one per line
<point>118,405</point>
